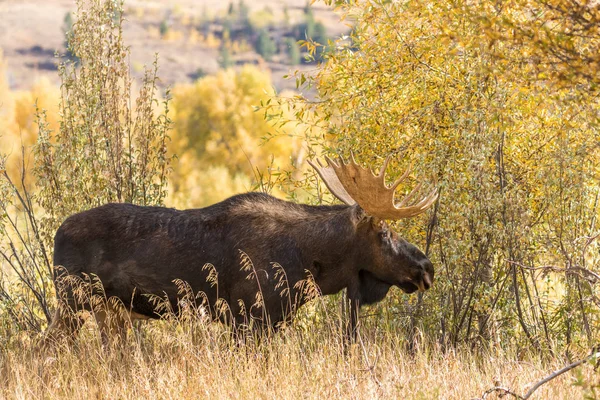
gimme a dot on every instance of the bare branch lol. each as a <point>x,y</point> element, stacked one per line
<point>584,273</point>
<point>504,391</point>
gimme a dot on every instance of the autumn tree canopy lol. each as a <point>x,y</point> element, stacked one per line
<point>497,103</point>
<point>220,140</point>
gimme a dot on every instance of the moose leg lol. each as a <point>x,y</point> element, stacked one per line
<point>112,324</point>
<point>353,302</point>
<point>65,324</point>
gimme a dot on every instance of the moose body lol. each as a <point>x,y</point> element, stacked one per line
<point>138,252</point>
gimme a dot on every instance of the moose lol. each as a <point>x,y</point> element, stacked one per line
<point>141,252</point>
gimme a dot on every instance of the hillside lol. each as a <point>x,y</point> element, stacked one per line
<point>188,35</point>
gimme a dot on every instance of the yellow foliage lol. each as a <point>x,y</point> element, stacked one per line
<point>559,40</point>
<point>262,18</point>
<point>211,41</point>
<point>516,157</point>
<point>173,35</point>
<point>138,12</point>
<point>204,185</point>
<point>18,127</point>
<point>217,128</point>
<point>194,37</point>
<point>235,47</point>
<point>186,19</point>
<point>5,95</point>
<point>153,32</point>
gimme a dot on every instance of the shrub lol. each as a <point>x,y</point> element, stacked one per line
<point>265,46</point>
<point>515,153</point>
<point>105,150</point>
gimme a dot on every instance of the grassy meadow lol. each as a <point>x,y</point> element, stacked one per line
<point>169,359</point>
<point>496,105</point>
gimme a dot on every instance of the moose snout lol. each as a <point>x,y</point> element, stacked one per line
<point>427,280</point>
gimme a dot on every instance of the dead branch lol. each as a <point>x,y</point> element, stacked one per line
<point>502,392</point>
<point>583,273</point>
<point>505,391</point>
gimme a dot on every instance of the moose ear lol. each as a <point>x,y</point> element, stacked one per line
<point>359,216</point>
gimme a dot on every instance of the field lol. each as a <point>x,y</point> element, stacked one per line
<point>189,360</point>
<point>32,31</point>
<point>494,106</point>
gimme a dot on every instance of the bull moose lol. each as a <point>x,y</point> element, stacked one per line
<point>139,251</point>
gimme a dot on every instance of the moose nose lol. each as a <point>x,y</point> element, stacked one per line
<point>427,283</point>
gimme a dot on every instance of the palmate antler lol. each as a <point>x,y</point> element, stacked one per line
<point>352,184</point>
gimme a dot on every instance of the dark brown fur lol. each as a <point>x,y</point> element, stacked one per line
<point>137,251</point>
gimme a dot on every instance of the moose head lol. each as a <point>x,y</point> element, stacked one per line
<point>386,259</point>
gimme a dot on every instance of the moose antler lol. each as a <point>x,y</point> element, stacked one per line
<point>352,184</point>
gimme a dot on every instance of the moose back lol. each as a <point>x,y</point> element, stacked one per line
<point>248,244</point>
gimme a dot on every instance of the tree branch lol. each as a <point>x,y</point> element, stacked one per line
<point>504,391</point>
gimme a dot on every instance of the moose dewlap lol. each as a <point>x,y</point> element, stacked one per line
<point>248,244</point>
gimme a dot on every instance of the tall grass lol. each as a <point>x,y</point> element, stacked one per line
<point>191,359</point>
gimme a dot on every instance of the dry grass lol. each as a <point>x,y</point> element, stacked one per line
<point>171,359</point>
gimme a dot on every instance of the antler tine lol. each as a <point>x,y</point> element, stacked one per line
<point>331,180</point>
<point>408,198</point>
<point>352,159</point>
<point>420,207</point>
<point>384,166</point>
<point>428,200</point>
<point>352,183</point>
<point>402,178</point>
<point>332,163</point>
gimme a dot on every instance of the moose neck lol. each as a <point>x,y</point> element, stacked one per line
<point>329,239</point>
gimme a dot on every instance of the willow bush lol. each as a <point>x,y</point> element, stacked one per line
<point>452,88</point>
<point>111,146</point>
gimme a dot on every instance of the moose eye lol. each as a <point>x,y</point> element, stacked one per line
<point>384,235</point>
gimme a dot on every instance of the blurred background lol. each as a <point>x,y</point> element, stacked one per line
<point>219,59</point>
<point>193,37</point>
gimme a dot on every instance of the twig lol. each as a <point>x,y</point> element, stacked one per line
<point>594,355</point>
<point>504,391</point>
<point>371,367</point>
<point>583,273</point>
